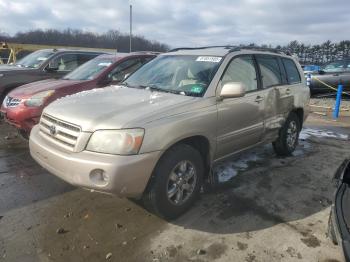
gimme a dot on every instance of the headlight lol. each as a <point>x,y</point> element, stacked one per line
<point>118,142</point>
<point>39,98</point>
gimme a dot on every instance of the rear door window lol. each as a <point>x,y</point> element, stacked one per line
<point>270,70</point>
<point>293,75</point>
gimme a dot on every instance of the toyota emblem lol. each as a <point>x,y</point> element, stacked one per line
<point>53,130</point>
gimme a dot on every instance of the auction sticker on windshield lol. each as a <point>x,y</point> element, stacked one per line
<point>213,59</point>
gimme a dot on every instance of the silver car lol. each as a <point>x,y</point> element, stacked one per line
<point>157,135</point>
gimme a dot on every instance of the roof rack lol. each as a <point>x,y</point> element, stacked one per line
<point>202,47</point>
<point>256,48</point>
<point>146,52</point>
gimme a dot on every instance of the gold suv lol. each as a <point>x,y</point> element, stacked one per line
<point>156,135</point>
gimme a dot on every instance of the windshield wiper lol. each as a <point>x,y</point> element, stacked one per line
<point>153,87</point>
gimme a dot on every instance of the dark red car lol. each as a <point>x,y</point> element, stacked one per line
<point>22,107</point>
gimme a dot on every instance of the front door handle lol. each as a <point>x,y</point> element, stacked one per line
<point>287,91</point>
<point>259,99</point>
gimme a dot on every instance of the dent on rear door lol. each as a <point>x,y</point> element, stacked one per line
<point>285,99</point>
<point>272,116</point>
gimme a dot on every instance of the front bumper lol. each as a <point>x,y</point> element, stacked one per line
<point>22,117</point>
<point>127,175</point>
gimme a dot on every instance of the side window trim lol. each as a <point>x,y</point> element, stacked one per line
<point>256,72</point>
<point>284,76</point>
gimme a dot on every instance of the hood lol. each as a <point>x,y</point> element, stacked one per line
<point>13,68</point>
<point>40,86</point>
<point>116,107</point>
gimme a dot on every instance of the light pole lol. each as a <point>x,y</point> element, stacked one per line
<point>130,27</point>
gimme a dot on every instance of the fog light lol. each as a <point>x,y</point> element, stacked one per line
<point>99,177</point>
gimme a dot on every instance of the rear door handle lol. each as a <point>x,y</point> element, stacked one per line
<point>259,99</point>
<point>287,91</point>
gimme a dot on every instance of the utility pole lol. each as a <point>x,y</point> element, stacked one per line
<point>130,27</point>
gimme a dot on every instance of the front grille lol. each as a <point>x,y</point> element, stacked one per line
<point>11,101</point>
<point>59,132</point>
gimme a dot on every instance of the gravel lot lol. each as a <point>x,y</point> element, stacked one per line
<point>269,209</point>
<point>329,102</point>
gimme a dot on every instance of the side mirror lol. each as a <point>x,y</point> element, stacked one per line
<point>52,66</point>
<point>232,90</point>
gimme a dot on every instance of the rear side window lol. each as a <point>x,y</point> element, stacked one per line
<point>293,75</point>
<point>270,70</point>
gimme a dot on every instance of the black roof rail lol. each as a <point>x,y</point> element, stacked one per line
<point>202,47</point>
<point>146,52</point>
<point>256,48</point>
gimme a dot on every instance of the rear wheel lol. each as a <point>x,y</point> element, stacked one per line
<point>175,183</point>
<point>288,136</point>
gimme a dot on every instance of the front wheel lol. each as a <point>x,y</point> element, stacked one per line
<point>288,136</point>
<point>175,183</point>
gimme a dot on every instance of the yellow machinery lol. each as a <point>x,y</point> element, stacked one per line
<point>16,48</point>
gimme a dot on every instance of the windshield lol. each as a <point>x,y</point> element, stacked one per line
<point>182,74</point>
<point>90,69</point>
<point>334,66</point>
<point>35,59</point>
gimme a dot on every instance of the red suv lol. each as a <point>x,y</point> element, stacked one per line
<point>22,107</point>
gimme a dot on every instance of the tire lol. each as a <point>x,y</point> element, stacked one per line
<point>288,136</point>
<point>163,191</point>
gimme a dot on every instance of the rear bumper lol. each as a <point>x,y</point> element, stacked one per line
<point>127,175</point>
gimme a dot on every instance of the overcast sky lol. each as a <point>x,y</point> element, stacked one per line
<point>186,22</point>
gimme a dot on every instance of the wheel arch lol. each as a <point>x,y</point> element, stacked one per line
<point>198,142</point>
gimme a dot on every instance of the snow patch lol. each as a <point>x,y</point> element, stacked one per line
<point>228,170</point>
<point>308,132</point>
<point>89,92</point>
